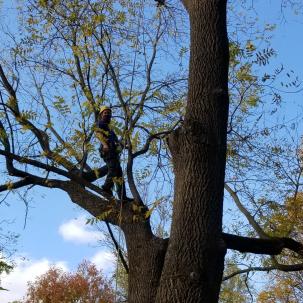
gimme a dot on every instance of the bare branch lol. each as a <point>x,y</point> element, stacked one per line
<point>245,212</point>
<point>49,122</point>
<point>117,247</point>
<point>139,107</point>
<point>39,134</point>
<point>6,83</point>
<point>285,268</point>
<point>151,138</point>
<point>85,88</point>
<point>109,65</point>
<point>35,163</point>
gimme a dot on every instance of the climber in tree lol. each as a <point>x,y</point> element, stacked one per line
<point>109,150</point>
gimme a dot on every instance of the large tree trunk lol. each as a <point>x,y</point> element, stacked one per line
<point>146,257</point>
<point>189,267</point>
<point>194,260</point>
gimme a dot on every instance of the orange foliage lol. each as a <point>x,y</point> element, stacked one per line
<point>286,290</point>
<point>86,285</point>
<point>289,221</point>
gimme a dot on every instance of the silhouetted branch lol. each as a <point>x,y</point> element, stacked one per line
<point>272,246</point>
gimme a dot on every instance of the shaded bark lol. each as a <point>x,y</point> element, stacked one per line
<point>194,260</point>
<point>146,255</point>
<point>270,246</point>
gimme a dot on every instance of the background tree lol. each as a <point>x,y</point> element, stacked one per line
<point>4,268</point>
<point>86,284</point>
<point>7,249</point>
<point>287,288</point>
<point>235,289</point>
<point>288,285</point>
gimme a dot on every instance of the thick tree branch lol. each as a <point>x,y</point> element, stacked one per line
<point>72,175</point>
<point>9,124</point>
<point>6,83</point>
<point>104,210</point>
<point>35,163</point>
<point>92,203</point>
<point>273,246</point>
<point>145,148</point>
<point>131,180</point>
<point>15,185</point>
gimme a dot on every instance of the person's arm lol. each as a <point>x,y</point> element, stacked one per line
<point>119,143</point>
<point>102,133</point>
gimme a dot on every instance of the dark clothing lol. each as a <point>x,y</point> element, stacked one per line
<point>108,136</point>
<point>114,176</point>
<point>112,161</point>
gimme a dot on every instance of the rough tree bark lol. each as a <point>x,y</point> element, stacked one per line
<point>193,265</point>
<point>191,268</point>
<point>194,260</point>
<point>188,266</point>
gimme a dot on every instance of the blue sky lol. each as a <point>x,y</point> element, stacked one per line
<point>55,233</point>
<point>55,230</point>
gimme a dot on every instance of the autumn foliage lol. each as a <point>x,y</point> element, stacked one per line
<point>288,286</point>
<point>287,289</point>
<point>86,285</point>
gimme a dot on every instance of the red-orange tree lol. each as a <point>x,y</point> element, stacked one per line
<point>87,284</point>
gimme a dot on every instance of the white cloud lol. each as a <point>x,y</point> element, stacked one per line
<point>78,232</point>
<point>105,260</point>
<point>24,271</point>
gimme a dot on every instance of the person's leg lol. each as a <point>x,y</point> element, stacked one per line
<point>115,176</point>
<point>109,182</point>
<point>119,181</point>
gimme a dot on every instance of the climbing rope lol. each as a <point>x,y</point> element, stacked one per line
<point>119,251</point>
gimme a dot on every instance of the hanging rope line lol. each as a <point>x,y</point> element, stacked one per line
<point>118,249</point>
